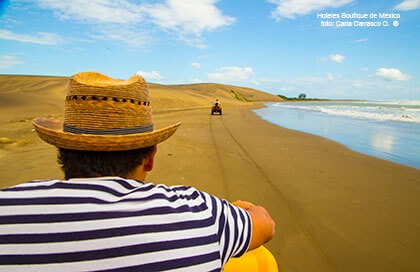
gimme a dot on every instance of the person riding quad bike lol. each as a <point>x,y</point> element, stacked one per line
<point>216,108</point>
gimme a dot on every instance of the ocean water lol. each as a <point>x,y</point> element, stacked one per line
<point>385,129</point>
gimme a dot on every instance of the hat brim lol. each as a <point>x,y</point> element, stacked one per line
<point>51,131</point>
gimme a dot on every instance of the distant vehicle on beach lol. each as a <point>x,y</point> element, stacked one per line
<point>216,108</point>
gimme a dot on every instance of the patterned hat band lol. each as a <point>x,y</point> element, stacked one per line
<point>105,98</point>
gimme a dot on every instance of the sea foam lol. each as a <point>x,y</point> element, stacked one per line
<point>403,111</point>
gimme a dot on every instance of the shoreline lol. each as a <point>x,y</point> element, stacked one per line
<point>393,140</point>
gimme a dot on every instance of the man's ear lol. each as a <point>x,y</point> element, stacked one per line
<point>150,161</point>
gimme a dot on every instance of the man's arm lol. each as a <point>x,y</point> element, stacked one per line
<point>263,226</point>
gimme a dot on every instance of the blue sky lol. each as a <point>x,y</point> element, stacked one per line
<point>323,48</point>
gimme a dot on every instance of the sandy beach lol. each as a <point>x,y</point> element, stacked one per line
<point>335,209</point>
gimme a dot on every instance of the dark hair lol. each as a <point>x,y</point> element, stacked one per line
<point>86,164</point>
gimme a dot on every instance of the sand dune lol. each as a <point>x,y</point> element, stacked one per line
<point>335,209</point>
<point>24,97</point>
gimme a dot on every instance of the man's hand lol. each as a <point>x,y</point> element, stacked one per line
<point>263,226</point>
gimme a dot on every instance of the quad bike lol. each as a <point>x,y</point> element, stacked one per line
<point>257,260</point>
<point>216,108</point>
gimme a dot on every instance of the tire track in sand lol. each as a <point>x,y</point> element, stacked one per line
<point>282,198</point>
<point>219,159</point>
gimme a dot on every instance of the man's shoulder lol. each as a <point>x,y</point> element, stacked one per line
<point>30,184</point>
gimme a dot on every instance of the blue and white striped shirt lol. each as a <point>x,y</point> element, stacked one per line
<point>110,223</point>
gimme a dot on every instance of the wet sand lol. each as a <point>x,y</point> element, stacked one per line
<point>335,209</point>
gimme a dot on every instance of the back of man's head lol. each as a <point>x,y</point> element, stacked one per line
<point>86,164</point>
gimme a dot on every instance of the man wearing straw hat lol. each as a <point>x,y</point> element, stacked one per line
<point>104,216</point>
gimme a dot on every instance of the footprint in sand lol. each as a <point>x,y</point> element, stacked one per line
<point>5,140</point>
<point>6,143</point>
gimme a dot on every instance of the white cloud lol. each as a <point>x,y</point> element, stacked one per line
<point>196,64</point>
<point>408,5</point>
<point>392,74</point>
<point>337,58</point>
<point>330,76</point>
<point>189,16</point>
<point>150,75</point>
<point>119,34</point>
<point>360,40</point>
<point>196,80</point>
<point>187,20</point>
<point>112,20</point>
<point>231,74</point>
<point>8,61</point>
<point>40,37</point>
<point>292,8</point>
<point>336,86</point>
<point>94,11</point>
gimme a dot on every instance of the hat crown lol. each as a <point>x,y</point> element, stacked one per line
<point>98,104</point>
<point>104,114</point>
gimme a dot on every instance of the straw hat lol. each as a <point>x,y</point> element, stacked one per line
<point>104,114</point>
